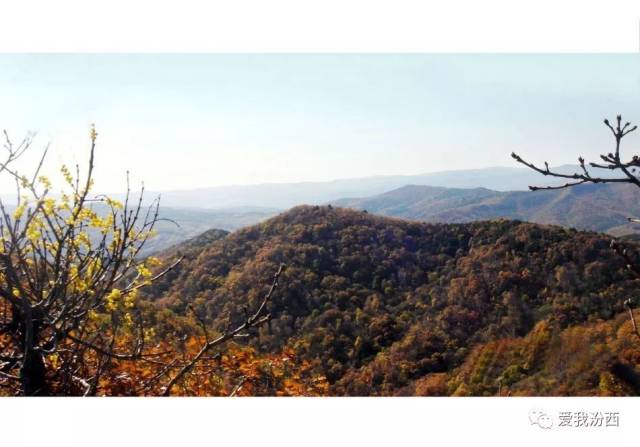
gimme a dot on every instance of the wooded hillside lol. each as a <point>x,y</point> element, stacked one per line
<point>384,306</point>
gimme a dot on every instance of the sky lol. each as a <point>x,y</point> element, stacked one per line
<point>191,121</point>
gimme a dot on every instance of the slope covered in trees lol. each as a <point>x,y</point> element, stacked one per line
<point>383,306</point>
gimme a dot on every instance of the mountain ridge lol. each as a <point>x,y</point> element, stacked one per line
<point>597,207</point>
<point>286,195</point>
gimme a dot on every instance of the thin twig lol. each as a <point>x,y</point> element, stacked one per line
<point>255,320</point>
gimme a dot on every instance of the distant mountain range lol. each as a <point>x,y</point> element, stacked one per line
<point>287,195</point>
<point>448,196</point>
<point>596,207</point>
<point>451,196</point>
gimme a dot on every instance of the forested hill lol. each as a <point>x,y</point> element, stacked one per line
<point>386,306</point>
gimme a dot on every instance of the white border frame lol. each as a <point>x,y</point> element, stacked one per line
<point>304,26</point>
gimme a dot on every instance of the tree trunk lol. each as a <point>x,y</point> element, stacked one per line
<point>32,372</point>
<point>32,376</point>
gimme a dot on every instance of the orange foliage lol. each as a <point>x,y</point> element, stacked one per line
<point>238,371</point>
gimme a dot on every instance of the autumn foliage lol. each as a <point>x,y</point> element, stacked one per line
<point>71,322</point>
<point>365,306</point>
<point>236,371</point>
<point>384,306</point>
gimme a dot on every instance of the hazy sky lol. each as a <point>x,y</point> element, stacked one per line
<point>186,121</point>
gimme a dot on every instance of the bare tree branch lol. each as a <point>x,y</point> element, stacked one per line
<point>612,161</point>
<point>255,320</point>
